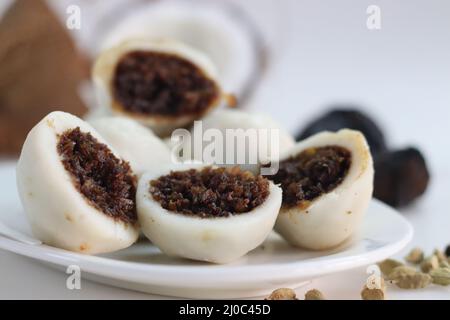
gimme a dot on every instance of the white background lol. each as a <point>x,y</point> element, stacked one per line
<point>323,53</point>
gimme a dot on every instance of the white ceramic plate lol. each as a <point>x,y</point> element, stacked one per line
<point>274,264</point>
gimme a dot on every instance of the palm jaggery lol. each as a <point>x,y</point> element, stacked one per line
<point>155,83</point>
<point>311,173</point>
<point>106,181</point>
<point>210,192</point>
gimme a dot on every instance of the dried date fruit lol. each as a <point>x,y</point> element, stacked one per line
<point>401,176</point>
<point>349,117</point>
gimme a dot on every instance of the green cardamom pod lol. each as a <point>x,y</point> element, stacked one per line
<point>413,281</point>
<point>388,265</point>
<point>429,264</point>
<point>441,276</point>
<point>373,294</point>
<point>415,256</point>
<point>401,271</point>
<point>440,255</point>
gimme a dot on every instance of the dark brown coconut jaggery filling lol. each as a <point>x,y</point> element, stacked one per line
<point>210,192</point>
<point>311,173</point>
<point>154,83</point>
<point>106,181</point>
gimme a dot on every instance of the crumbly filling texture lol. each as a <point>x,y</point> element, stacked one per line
<point>311,173</point>
<point>153,83</point>
<point>210,192</point>
<point>104,180</point>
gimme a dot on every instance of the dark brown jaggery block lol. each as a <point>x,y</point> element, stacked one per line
<point>40,71</point>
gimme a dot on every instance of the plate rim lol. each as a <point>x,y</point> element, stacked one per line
<point>224,276</point>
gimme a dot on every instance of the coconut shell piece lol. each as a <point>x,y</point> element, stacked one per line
<point>40,71</point>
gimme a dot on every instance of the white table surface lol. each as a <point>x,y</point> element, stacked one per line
<point>401,74</point>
